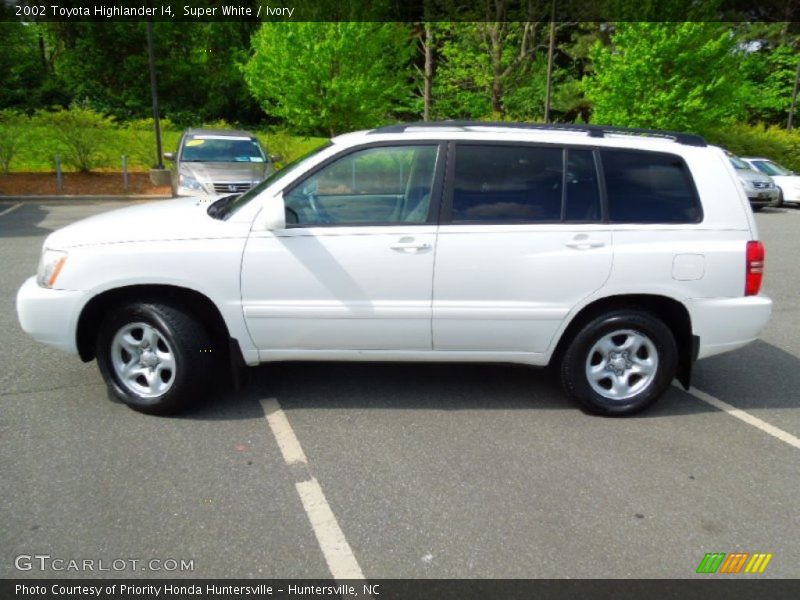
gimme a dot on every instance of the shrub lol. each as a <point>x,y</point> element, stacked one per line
<point>772,142</point>
<point>137,140</point>
<point>81,134</point>
<point>12,129</point>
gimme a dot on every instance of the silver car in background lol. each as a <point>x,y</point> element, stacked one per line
<point>214,162</point>
<point>788,181</point>
<point>760,189</point>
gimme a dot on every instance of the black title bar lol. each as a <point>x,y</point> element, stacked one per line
<point>400,10</point>
<point>706,588</point>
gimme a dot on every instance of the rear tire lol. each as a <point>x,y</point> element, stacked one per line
<point>154,357</point>
<point>619,363</point>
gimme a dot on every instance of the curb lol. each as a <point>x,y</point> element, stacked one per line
<point>84,198</point>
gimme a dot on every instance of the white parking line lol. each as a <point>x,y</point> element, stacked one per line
<point>775,432</point>
<point>338,555</point>
<point>341,561</point>
<point>9,209</point>
<point>284,434</point>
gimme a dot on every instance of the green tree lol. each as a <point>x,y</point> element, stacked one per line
<point>331,77</point>
<point>667,75</point>
<point>28,81</point>
<point>105,66</point>
<point>488,69</point>
<point>771,74</point>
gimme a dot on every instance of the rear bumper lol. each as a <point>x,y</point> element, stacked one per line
<point>49,316</point>
<point>791,195</point>
<point>725,324</point>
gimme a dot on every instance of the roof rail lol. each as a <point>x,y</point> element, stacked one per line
<point>688,139</point>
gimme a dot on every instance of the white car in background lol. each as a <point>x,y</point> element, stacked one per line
<point>788,181</point>
<point>617,255</point>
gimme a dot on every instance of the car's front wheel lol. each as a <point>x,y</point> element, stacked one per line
<point>620,362</point>
<point>154,357</point>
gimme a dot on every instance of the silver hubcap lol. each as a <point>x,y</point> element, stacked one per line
<point>143,360</point>
<point>621,364</point>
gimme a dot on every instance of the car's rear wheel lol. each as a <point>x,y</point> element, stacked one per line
<point>154,357</point>
<point>619,363</point>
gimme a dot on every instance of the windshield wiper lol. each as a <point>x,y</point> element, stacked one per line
<point>219,207</point>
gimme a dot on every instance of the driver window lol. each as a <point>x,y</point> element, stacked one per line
<point>380,185</point>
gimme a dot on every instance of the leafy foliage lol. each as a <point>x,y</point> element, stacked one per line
<point>12,130</point>
<point>771,76</point>
<point>758,140</point>
<point>80,133</point>
<point>28,81</point>
<point>491,69</point>
<point>667,75</point>
<point>105,65</point>
<point>330,77</point>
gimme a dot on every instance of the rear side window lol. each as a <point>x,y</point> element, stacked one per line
<point>507,184</point>
<point>649,187</point>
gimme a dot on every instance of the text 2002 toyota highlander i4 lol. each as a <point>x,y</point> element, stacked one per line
<point>619,256</point>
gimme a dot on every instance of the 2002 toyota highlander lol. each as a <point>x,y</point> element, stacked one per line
<point>619,256</point>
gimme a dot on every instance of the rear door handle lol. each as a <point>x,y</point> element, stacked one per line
<point>409,245</point>
<point>584,242</point>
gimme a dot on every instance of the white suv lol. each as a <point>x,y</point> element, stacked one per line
<point>618,256</point>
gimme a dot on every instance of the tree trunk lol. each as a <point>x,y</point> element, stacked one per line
<point>550,50</point>
<point>427,94</point>
<point>496,51</point>
<point>789,123</point>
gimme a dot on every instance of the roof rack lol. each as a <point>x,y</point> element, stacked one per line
<point>688,139</point>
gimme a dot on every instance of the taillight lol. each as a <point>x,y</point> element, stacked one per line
<point>755,268</point>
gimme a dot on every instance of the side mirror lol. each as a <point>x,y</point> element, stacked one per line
<point>272,215</point>
<point>169,155</point>
<point>275,158</point>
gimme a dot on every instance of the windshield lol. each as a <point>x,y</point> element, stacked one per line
<point>205,148</point>
<point>738,163</point>
<point>771,168</point>
<point>256,190</point>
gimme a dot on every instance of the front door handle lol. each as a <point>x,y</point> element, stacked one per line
<point>409,245</point>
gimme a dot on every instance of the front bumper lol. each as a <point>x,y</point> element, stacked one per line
<point>725,324</point>
<point>769,197</point>
<point>49,316</point>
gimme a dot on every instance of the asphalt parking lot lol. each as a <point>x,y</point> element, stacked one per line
<point>424,471</point>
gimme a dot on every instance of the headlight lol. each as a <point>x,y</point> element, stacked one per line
<point>50,266</point>
<point>189,182</point>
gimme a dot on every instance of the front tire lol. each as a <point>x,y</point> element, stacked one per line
<point>154,357</point>
<point>619,363</point>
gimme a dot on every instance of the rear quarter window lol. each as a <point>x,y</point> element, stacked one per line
<point>649,187</point>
